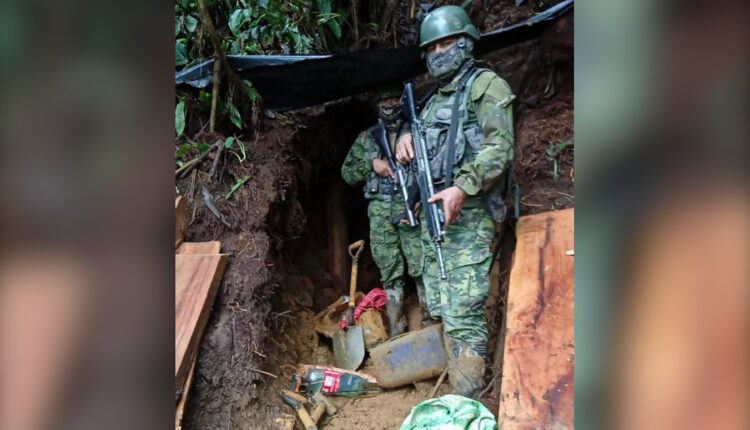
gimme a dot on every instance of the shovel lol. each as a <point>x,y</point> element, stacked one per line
<point>349,344</point>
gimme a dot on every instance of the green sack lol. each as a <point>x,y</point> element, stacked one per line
<point>450,412</point>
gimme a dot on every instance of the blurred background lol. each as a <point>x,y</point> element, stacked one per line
<point>663,214</point>
<point>662,217</point>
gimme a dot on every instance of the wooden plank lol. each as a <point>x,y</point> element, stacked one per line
<point>181,221</point>
<point>338,236</point>
<point>197,278</point>
<point>537,381</point>
<point>180,409</point>
<point>213,247</point>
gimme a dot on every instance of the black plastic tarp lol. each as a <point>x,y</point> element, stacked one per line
<point>297,81</point>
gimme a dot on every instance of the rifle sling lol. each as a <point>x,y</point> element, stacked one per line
<point>453,130</point>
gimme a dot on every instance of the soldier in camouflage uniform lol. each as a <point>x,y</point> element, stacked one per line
<point>483,153</point>
<point>390,244</point>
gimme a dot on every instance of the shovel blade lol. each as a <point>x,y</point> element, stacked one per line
<point>349,348</point>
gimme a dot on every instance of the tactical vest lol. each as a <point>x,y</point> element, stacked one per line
<point>376,188</point>
<point>437,116</point>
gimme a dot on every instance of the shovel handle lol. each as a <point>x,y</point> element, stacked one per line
<point>353,286</point>
<point>359,246</point>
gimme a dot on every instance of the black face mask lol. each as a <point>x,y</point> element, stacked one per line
<point>445,64</point>
<point>388,114</point>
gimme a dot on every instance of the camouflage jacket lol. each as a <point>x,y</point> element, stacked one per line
<point>484,150</point>
<point>357,168</point>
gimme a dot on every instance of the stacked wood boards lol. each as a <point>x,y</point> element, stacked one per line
<point>197,279</point>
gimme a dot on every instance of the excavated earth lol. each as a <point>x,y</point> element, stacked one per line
<point>278,273</point>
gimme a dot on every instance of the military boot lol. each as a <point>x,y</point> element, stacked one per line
<point>465,366</point>
<point>394,310</point>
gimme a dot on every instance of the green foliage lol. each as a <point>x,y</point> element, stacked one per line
<point>184,149</point>
<point>179,118</point>
<point>204,98</point>
<point>325,16</point>
<point>233,140</point>
<point>238,19</point>
<point>256,27</point>
<point>250,27</point>
<point>251,91</point>
<point>180,52</point>
<point>553,151</point>
<point>247,27</point>
<point>191,23</point>
<point>234,114</point>
<point>236,187</point>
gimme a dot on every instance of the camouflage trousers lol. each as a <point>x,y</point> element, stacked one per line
<point>392,246</point>
<point>459,301</point>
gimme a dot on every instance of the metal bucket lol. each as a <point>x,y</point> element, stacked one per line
<point>410,357</point>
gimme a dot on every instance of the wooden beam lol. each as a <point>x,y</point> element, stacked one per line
<point>180,409</point>
<point>537,381</point>
<point>197,279</point>
<point>338,236</point>
<point>213,247</point>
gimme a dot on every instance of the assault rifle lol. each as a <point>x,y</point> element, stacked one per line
<point>432,213</point>
<point>378,132</point>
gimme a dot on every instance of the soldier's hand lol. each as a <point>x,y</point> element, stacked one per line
<point>453,201</point>
<point>415,211</point>
<point>405,149</point>
<point>382,168</point>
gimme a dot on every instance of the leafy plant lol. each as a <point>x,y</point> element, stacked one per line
<point>234,114</point>
<point>251,91</point>
<point>228,144</point>
<point>179,118</point>
<point>553,152</point>
<point>236,187</point>
<point>184,149</point>
<point>251,27</point>
<point>256,27</point>
<point>204,98</point>
<point>325,16</point>
<point>180,52</point>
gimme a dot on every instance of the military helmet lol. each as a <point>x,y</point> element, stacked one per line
<point>392,91</point>
<point>443,22</point>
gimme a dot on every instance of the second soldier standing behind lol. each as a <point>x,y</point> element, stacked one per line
<point>391,245</point>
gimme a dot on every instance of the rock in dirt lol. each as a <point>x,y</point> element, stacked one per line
<point>373,328</point>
